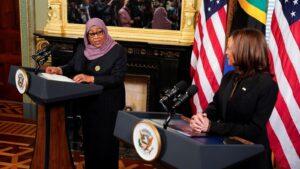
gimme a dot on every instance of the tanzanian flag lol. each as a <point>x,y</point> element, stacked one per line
<point>250,13</point>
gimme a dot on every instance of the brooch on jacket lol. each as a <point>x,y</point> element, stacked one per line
<point>97,68</point>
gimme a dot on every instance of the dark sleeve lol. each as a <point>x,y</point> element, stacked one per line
<point>68,68</point>
<point>75,64</point>
<point>212,109</point>
<point>118,71</point>
<point>265,104</point>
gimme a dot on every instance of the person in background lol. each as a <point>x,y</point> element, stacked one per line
<point>87,10</point>
<point>147,14</point>
<point>124,15</point>
<point>246,97</point>
<point>135,12</point>
<point>173,14</point>
<point>107,11</point>
<point>102,61</point>
<point>160,19</point>
<point>74,13</point>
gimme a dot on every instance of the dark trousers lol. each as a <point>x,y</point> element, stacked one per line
<point>101,148</point>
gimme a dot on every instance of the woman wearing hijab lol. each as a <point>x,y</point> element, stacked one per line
<point>102,61</point>
<point>160,19</point>
<point>124,15</point>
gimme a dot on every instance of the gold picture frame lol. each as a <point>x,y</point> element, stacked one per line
<point>57,24</point>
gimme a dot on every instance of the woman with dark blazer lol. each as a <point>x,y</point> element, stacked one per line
<point>246,97</point>
<point>102,61</point>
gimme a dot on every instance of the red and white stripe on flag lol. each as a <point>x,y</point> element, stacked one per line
<point>284,124</point>
<point>207,58</point>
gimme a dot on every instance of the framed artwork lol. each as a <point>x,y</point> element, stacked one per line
<point>168,22</point>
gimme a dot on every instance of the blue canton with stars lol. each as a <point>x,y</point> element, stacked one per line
<point>212,6</point>
<point>291,10</point>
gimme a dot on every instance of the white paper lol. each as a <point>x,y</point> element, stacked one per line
<point>55,77</point>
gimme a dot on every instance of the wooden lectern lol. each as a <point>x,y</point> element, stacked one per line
<point>51,147</point>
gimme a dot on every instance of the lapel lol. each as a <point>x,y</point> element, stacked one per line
<point>243,88</point>
<point>247,85</point>
<point>225,97</point>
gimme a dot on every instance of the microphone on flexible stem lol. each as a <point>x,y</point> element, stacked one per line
<point>178,88</point>
<point>181,99</point>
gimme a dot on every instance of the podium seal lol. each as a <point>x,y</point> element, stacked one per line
<point>146,140</point>
<point>22,80</point>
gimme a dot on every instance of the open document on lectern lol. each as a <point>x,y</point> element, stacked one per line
<point>55,77</point>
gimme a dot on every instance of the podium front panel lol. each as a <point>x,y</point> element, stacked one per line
<point>49,91</point>
<point>181,151</point>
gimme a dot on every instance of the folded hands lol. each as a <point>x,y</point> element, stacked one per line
<point>200,123</point>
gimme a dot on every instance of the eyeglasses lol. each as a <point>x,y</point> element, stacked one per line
<point>98,33</point>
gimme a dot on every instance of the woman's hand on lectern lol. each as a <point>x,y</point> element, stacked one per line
<point>53,70</point>
<point>83,78</point>
<point>200,123</point>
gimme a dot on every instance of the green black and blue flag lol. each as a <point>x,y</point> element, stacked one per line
<point>248,13</point>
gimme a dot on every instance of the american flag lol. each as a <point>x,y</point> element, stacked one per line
<point>207,58</point>
<point>284,124</point>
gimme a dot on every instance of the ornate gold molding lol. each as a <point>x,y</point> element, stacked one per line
<point>57,24</point>
<point>188,21</point>
<point>40,44</point>
<point>54,21</point>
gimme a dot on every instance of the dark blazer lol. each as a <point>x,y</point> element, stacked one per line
<point>99,112</point>
<point>245,110</point>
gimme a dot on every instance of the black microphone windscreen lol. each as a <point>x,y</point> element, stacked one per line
<point>181,85</point>
<point>189,93</point>
<point>192,90</point>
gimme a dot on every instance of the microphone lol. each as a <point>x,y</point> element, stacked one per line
<point>179,87</point>
<point>189,93</point>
